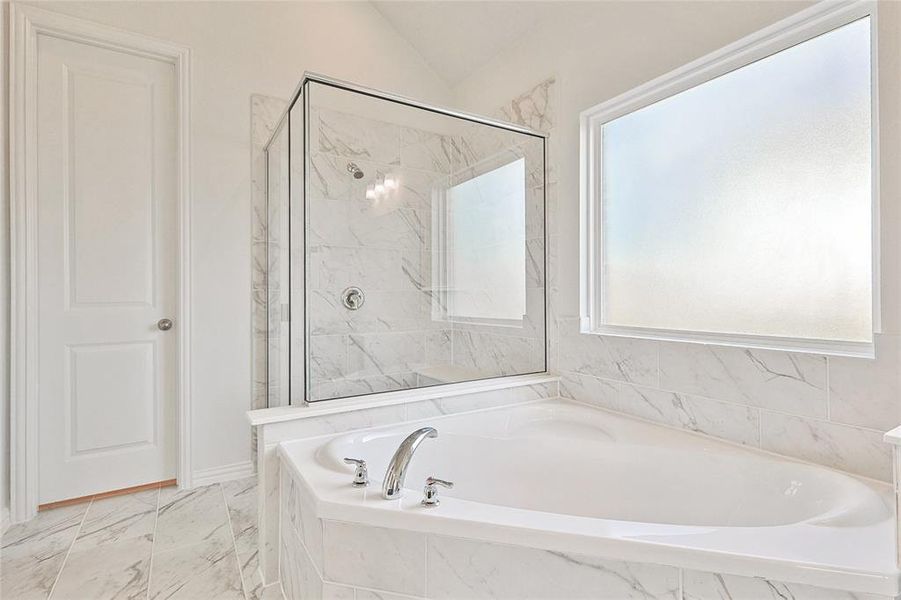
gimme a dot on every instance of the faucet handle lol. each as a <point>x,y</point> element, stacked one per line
<point>361,473</point>
<point>430,492</point>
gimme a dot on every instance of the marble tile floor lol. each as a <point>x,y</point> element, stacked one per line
<point>159,544</point>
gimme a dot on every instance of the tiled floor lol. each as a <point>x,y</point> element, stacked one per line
<point>159,544</point>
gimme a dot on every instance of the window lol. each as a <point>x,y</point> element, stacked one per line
<point>485,257</point>
<point>733,200</point>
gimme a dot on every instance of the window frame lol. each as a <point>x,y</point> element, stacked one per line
<point>800,27</point>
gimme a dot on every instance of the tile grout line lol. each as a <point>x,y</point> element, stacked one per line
<point>231,530</point>
<point>379,592</point>
<point>69,551</point>
<point>760,416</point>
<point>659,374</point>
<point>156,521</point>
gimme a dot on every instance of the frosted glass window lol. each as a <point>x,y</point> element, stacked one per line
<point>487,247</point>
<point>743,205</point>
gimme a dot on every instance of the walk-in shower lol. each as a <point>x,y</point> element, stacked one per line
<point>406,246</point>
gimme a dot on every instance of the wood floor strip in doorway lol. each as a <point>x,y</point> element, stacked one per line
<point>110,494</point>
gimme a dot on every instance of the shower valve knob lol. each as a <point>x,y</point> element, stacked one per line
<point>353,298</point>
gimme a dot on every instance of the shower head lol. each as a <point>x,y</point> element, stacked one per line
<point>354,170</point>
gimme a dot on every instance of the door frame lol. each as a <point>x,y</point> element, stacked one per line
<point>25,24</point>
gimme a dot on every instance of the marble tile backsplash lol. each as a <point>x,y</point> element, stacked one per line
<point>695,413</point>
<point>854,449</point>
<point>794,383</point>
<point>606,357</point>
<point>867,393</point>
<point>827,410</point>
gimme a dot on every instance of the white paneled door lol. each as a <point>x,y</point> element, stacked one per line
<point>107,274</point>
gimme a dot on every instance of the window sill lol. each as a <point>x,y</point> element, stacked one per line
<point>783,344</point>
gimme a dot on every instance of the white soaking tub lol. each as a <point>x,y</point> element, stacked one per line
<point>567,478</point>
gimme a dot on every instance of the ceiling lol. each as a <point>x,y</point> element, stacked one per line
<point>457,37</point>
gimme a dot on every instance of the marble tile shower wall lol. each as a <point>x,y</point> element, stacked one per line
<point>385,246</point>
<point>382,246</point>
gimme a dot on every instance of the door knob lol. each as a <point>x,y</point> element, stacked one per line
<point>164,324</point>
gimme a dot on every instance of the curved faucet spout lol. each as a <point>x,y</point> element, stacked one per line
<point>393,485</point>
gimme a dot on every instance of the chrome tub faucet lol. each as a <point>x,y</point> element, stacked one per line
<point>393,485</point>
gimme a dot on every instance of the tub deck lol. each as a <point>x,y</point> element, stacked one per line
<point>564,477</point>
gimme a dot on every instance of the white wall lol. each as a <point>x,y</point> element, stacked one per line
<point>4,272</point>
<point>595,51</point>
<point>239,49</point>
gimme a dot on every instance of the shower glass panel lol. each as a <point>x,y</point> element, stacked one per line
<point>417,241</point>
<point>297,234</point>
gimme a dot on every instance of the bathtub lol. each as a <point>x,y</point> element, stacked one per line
<point>574,480</point>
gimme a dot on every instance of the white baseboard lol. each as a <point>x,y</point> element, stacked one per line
<point>4,519</point>
<point>224,473</point>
